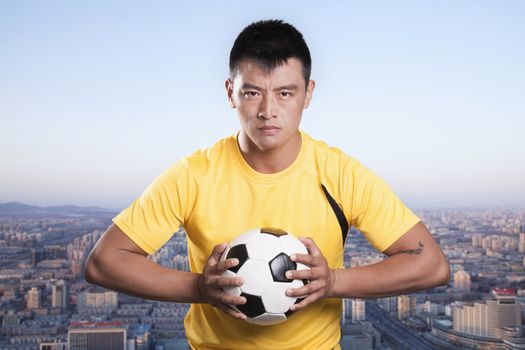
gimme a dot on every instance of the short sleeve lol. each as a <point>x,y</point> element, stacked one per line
<point>375,210</point>
<point>152,219</point>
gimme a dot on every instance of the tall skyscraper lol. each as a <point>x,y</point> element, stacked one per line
<point>143,338</point>
<point>486,242</point>
<point>77,267</point>
<point>477,240</point>
<point>347,311</point>
<point>388,303</point>
<point>33,298</point>
<point>358,310</point>
<point>521,247</point>
<point>60,295</point>
<point>462,280</point>
<point>485,318</point>
<point>406,306</point>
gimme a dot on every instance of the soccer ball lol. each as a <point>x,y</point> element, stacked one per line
<point>264,258</point>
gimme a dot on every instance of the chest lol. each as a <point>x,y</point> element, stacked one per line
<point>231,207</point>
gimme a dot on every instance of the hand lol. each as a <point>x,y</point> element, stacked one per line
<point>320,275</point>
<point>210,283</point>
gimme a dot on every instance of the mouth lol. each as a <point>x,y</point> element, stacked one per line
<point>268,127</point>
<point>268,130</point>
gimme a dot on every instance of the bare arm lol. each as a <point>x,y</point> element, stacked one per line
<point>415,262</point>
<point>118,263</point>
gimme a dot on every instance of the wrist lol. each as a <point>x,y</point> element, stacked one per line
<point>201,296</point>
<point>331,290</point>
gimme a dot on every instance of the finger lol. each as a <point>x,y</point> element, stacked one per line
<point>226,264</point>
<point>216,253</point>
<point>309,274</point>
<point>303,258</point>
<point>311,246</point>
<point>228,299</point>
<point>307,289</point>
<point>231,311</point>
<point>305,302</point>
<point>226,281</point>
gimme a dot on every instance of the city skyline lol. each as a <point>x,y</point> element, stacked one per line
<point>98,99</point>
<point>45,298</point>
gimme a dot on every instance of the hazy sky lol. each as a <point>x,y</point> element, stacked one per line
<point>97,98</point>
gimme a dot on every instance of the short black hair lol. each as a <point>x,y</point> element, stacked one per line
<point>270,43</point>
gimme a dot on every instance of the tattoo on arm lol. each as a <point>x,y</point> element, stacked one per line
<point>419,250</point>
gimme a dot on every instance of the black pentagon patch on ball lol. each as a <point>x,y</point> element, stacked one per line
<point>279,265</point>
<point>273,231</point>
<point>253,307</point>
<point>238,252</point>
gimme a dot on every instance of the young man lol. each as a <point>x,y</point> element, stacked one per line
<point>269,174</point>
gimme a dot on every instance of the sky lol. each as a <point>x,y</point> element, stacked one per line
<point>97,98</point>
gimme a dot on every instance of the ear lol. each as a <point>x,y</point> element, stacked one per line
<point>229,92</point>
<point>309,92</point>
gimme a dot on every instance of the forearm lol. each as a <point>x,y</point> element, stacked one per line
<point>398,274</point>
<point>136,275</point>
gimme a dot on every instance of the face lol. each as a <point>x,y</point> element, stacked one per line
<point>269,105</point>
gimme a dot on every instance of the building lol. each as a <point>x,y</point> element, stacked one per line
<point>358,310</point>
<point>77,267</point>
<point>181,263</point>
<point>406,306</point>
<point>388,303</point>
<point>361,336</point>
<point>11,323</point>
<point>53,346</point>
<point>521,247</point>
<point>33,298</point>
<point>347,310</point>
<point>98,299</point>
<point>484,319</point>
<point>510,338</point>
<point>462,281</point>
<point>97,336</point>
<point>477,240</point>
<point>60,295</point>
<point>142,337</point>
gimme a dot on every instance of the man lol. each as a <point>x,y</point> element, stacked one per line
<point>269,174</point>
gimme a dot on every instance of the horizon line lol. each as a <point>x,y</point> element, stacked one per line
<point>413,208</point>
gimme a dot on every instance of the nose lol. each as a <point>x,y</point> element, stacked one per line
<point>265,110</point>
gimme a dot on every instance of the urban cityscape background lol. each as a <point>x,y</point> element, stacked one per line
<point>98,98</point>
<point>46,304</point>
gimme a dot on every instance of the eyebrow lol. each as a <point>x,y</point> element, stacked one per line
<point>255,87</point>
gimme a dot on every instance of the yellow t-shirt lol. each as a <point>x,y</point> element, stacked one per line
<point>217,196</point>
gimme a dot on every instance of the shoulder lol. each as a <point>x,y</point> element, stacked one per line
<point>200,161</point>
<point>323,156</point>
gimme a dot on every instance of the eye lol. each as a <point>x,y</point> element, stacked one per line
<point>285,94</point>
<point>251,94</point>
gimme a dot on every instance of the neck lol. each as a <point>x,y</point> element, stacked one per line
<point>271,160</point>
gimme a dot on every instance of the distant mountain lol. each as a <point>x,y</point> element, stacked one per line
<point>20,208</point>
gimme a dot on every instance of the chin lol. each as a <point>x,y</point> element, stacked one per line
<point>267,146</point>
<point>267,143</point>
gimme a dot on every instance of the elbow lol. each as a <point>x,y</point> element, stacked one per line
<point>90,270</point>
<point>434,272</point>
<point>442,272</point>
<point>446,278</point>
